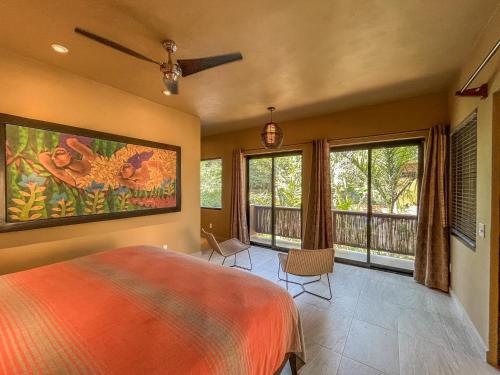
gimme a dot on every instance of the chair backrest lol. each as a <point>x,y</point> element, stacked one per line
<point>212,241</point>
<point>310,262</point>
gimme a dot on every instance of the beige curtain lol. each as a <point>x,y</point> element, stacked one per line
<point>319,226</point>
<point>239,226</point>
<point>432,256</point>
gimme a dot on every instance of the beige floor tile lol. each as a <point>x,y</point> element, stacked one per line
<point>326,328</point>
<point>326,362</point>
<point>421,357</point>
<point>424,324</point>
<point>378,312</point>
<point>374,346</point>
<point>351,367</point>
<point>458,337</point>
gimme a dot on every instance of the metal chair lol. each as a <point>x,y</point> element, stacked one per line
<point>227,248</point>
<point>307,263</point>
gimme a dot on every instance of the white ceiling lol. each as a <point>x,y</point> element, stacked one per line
<point>304,57</point>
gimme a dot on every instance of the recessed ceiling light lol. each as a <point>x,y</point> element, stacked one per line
<point>59,48</point>
<point>167,93</point>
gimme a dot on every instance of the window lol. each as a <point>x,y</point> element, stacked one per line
<point>375,195</point>
<point>463,179</point>
<point>211,183</point>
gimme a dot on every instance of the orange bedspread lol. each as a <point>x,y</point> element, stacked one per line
<point>144,310</point>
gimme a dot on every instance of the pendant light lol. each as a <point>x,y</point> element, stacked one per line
<point>272,135</point>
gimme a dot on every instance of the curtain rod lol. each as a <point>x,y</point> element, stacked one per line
<point>340,139</point>
<point>480,67</point>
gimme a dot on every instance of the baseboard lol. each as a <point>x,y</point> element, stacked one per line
<point>478,340</point>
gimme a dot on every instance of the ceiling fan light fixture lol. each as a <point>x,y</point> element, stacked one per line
<point>171,85</point>
<point>272,135</point>
<point>171,69</point>
<point>171,74</point>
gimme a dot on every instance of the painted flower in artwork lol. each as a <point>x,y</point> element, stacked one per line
<point>32,179</point>
<point>123,190</point>
<point>94,186</point>
<point>57,198</point>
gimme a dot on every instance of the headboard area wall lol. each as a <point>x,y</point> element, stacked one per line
<point>38,91</point>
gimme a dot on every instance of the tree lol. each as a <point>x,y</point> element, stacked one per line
<point>287,181</point>
<point>349,179</point>
<point>211,183</point>
<point>393,176</point>
<point>394,170</point>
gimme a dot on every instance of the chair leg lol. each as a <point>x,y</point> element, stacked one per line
<point>294,282</point>
<point>250,259</point>
<point>210,257</point>
<point>243,267</point>
<point>302,285</point>
<point>320,296</point>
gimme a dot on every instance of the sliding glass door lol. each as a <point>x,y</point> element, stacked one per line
<point>274,200</point>
<point>375,191</point>
<point>350,203</point>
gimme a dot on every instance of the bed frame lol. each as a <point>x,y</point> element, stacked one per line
<point>292,358</point>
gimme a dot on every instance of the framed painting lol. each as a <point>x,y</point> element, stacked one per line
<point>52,174</point>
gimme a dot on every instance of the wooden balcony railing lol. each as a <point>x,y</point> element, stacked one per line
<point>287,221</point>
<point>393,233</point>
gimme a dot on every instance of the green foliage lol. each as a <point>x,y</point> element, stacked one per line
<point>260,175</point>
<point>287,181</point>
<point>95,199</point>
<point>123,201</point>
<point>30,204</point>
<point>211,183</point>
<point>394,179</point>
<point>394,170</point>
<point>349,171</point>
<point>62,207</point>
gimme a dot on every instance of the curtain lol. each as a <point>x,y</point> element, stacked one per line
<point>432,255</point>
<point>319,227</point>
<point>239,226</point>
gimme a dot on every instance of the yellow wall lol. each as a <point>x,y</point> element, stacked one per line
<point>403,115</point>
<point>471,271</point>
<point>35,90</point>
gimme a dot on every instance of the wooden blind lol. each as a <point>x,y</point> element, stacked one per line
<point>463,180</point>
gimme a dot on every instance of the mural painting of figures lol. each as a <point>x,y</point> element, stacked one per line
<point>53,175</point>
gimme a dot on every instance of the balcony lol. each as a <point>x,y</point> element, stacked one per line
<point>392,240</point>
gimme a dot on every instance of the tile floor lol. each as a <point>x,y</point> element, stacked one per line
<point>377,323</point>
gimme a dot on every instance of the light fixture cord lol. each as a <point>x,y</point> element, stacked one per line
<point>271,110</point>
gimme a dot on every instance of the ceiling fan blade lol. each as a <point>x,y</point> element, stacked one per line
<point>171,87</point>
<point>114,45</point>
<point>191,66</point>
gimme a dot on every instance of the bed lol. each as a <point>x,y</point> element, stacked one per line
<point>144,310</point>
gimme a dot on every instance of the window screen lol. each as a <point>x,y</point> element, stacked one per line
<point>463,175</point>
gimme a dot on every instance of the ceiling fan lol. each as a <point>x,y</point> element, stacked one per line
<point>171,70</point>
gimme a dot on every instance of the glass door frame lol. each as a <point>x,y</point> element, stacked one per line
<point>274,155</point>
<point>369,213</point>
